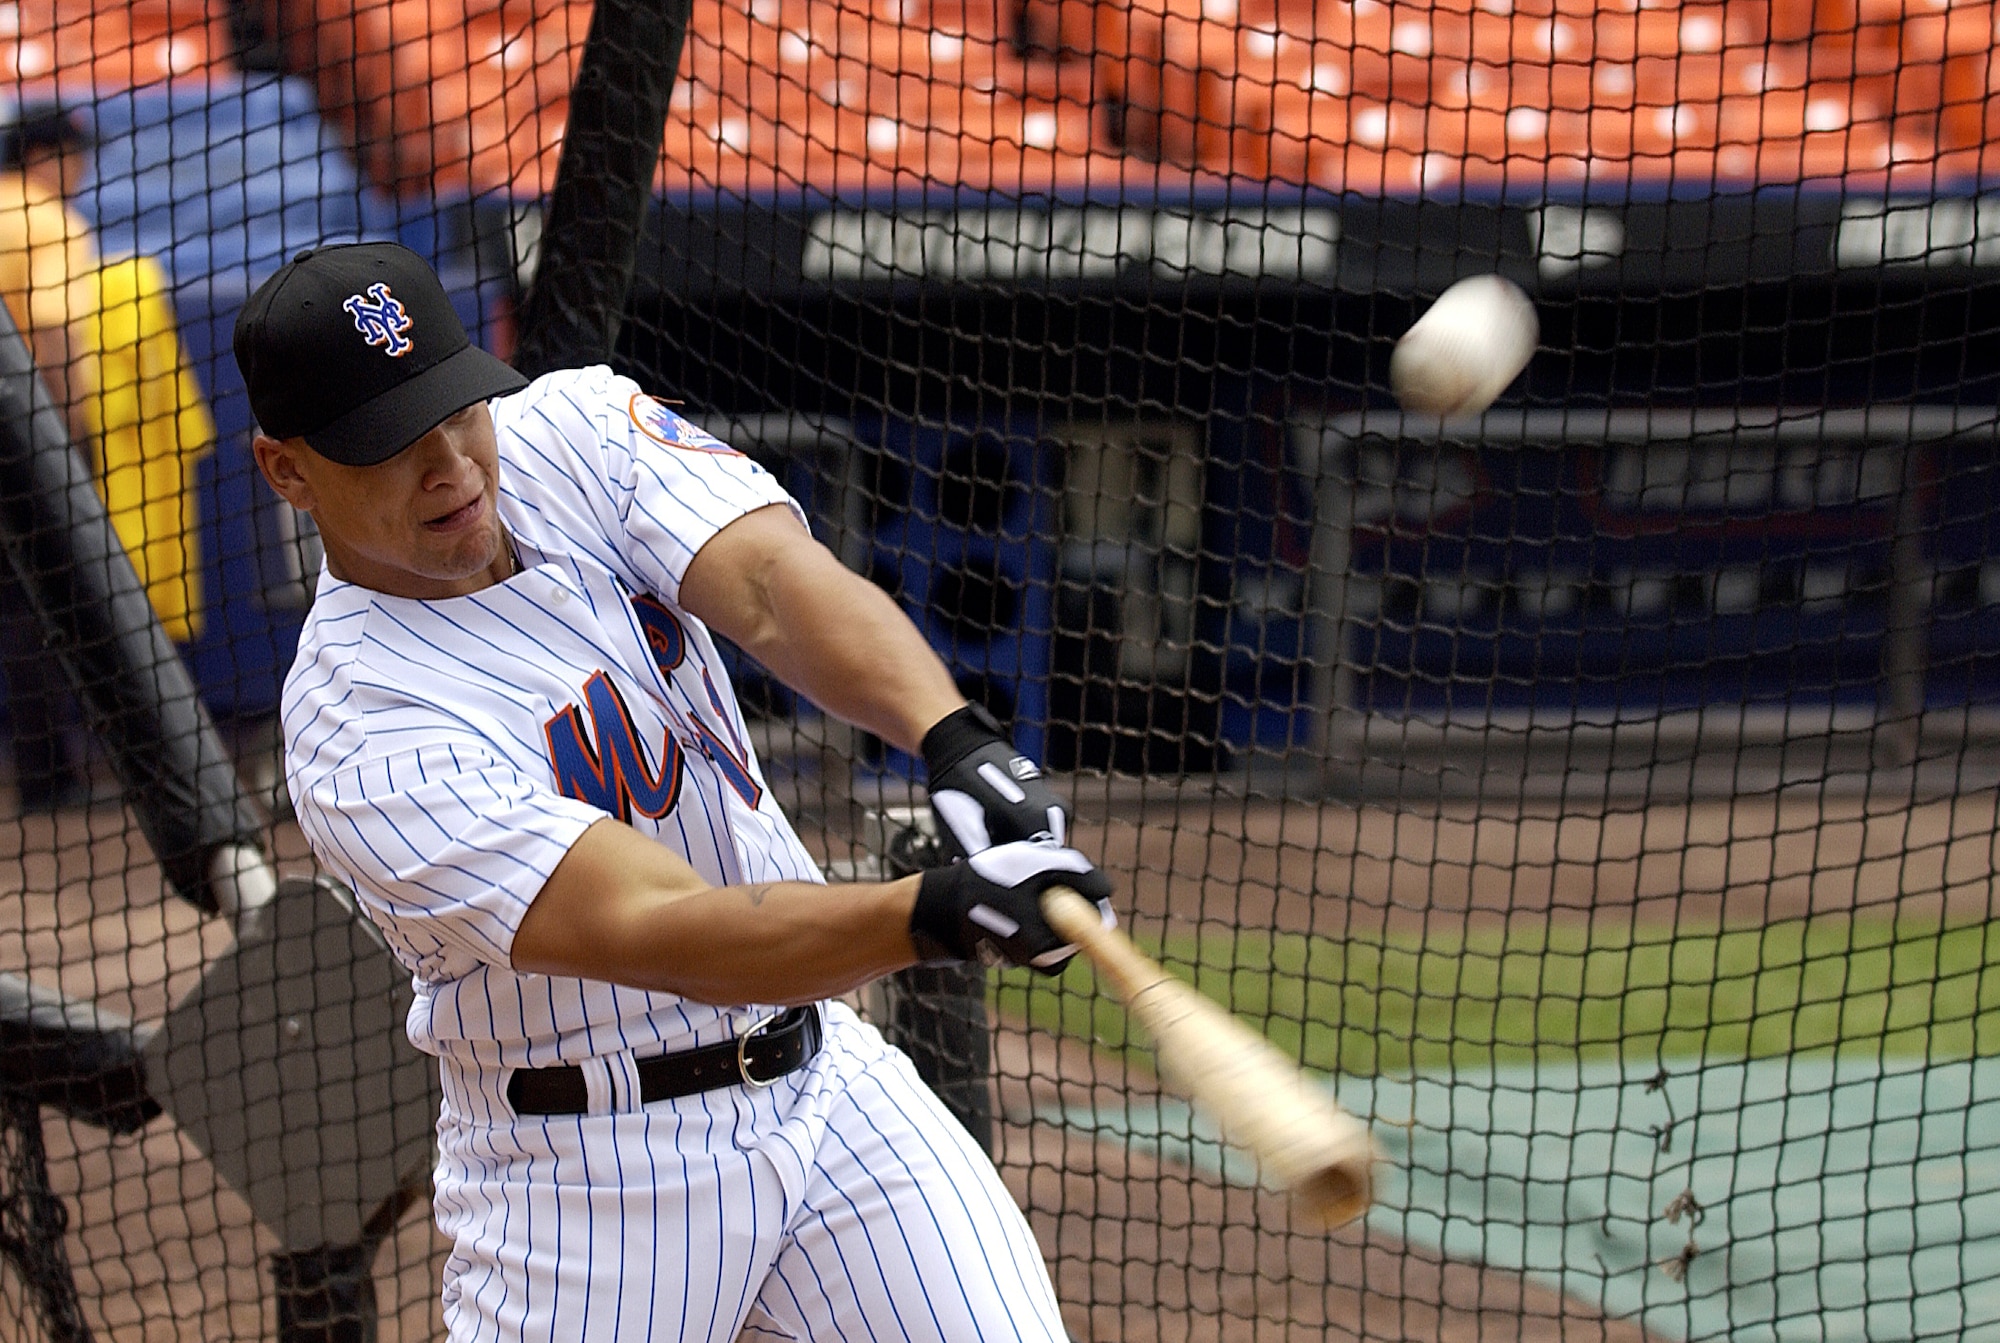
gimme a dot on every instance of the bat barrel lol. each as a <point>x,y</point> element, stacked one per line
<point>1264,1102</point>
<point>1338,1194</point>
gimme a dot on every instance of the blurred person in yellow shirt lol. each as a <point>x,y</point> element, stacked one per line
<point>105,338</point>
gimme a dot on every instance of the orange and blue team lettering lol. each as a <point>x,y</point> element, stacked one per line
<point>612,776</point>
<point>605,765</point>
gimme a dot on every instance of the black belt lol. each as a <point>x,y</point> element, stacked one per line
<point>757,1058</point>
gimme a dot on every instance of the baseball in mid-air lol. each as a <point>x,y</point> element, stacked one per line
<point>1466,349</point>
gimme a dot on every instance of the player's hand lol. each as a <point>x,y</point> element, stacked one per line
<point>989,907</point>
<point>983,790</point>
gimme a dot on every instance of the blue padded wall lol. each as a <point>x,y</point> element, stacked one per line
<point>973,560</point>
<point>220,179</point>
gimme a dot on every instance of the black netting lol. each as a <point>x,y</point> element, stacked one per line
<point>1602,795</point>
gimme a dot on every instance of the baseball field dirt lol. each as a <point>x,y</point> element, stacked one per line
<point>1142,1247</point>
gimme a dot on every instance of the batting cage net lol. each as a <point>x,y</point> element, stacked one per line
<point>1599,795</point>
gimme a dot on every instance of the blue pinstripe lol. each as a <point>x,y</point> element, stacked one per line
<point>957,1192</point>
<point>900,1228</point>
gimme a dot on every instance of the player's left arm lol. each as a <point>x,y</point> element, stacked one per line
<point>785,599</point>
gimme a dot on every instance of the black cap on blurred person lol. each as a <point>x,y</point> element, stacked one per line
<point>40,126</point>
<point>358,350</point>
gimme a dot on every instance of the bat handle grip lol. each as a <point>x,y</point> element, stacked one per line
<point>1078,920</point>
<point>1074,917</point>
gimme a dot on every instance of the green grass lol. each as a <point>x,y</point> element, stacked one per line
<point>1555,990</point>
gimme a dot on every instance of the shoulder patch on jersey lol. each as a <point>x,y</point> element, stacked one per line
<point>663,426</point>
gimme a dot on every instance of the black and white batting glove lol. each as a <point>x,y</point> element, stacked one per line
<point>983,790</point>
<point>989,907</point>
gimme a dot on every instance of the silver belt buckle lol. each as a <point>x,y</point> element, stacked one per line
<point>742,1047</point>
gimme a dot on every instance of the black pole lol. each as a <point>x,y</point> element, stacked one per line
<point>590,243</point>
<point>72,1056</point>
<point>33,1220</point>
<point>326,1295</point>
<point>99,626</point>
<point>937,1013</point>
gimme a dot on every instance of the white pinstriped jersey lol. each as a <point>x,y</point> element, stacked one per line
<point>444,755</point>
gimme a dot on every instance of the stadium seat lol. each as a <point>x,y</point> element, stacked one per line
<point>464,119</point>
<point>1362,25</point>
<point>1057,30</point>
<point>431,95</point>
<point>1610,134</point>
<point>1792,21</point>
<point>1393,172</point>
<point>1307,126</point>
<point>1171,77</point>
<point>1959,30</point>
<point>1753,70</point>
<point>1970,114</point>
<point>1665,82</point>
<point>82,46</point>
<point>1302,90</point>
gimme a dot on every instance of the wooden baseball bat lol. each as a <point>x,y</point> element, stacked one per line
<point>1263,1102</point>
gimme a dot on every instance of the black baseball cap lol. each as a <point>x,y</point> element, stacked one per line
<point>357,350</point>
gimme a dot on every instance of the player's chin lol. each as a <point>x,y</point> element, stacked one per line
<point>457,557</point>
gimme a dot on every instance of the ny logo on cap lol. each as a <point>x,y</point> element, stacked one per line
<point>380,319</point>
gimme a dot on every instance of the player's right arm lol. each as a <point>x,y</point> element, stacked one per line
<point>625,909</point>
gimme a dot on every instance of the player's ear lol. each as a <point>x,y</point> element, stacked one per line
<point>278,459</point>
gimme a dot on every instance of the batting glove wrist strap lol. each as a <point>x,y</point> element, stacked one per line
<point>958,734</point>
<point>989,907</point>
<point>984,791</point>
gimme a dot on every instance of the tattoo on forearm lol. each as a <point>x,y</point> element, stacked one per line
<point>756,894</point>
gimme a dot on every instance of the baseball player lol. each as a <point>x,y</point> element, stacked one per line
<point>508,730</point>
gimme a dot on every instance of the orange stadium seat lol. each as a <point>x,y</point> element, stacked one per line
<point>1971,111</point>
<point>1292,16</point>
<point>1333,92</point>
<point>1789,21</point>
<point>351,47</point>
<point>89,45</point>
<point>1611,134</point>
<point>1044,142</point>
<point>963,18</point>
<point>1306,126</point>
<point>1664,82</point>
<point>1822,155</point>
<point>497,88</point>
<point>1059,29</point>
<point>441,94</point>
<point>1398,172</point>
